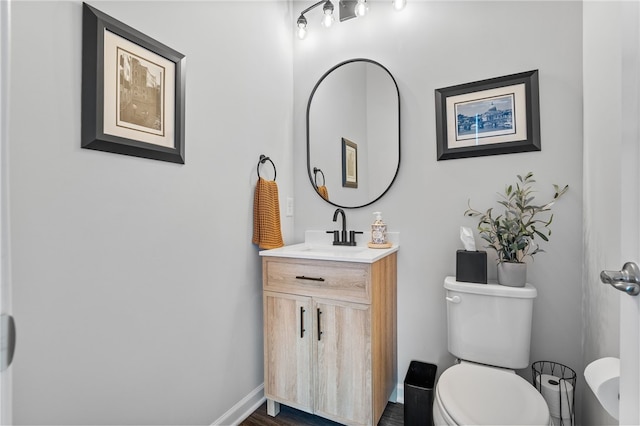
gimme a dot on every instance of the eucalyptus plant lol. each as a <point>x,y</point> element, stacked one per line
<point>512,234</point>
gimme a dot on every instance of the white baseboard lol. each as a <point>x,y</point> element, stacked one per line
<point>399,394</point>
<point>243,408</point>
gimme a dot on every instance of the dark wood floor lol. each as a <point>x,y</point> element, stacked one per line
<point>393,416</point>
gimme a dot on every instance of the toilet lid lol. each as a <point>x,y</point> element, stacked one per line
<point>474,394</point>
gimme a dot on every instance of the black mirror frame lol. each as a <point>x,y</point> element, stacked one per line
<point>309,171</point>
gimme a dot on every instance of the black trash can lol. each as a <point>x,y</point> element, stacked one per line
<point>418,394</point>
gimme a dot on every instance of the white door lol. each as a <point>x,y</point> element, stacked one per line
<point>611,77</point>
<point>6,334</point>
<point>630,216</point>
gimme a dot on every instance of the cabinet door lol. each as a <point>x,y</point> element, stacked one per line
<point>343,363</point>
<point>288,330</point>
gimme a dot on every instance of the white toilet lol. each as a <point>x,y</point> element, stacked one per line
<point>489,330</point>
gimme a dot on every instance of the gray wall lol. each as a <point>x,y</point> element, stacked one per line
<point>136,289</point>
<point>437,44</point>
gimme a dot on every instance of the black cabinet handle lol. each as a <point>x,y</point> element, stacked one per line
<point>302,330</point>
<point>319,329</point>
<point>302,277</point>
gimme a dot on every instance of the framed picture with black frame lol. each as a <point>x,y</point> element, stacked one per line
<point>133,90</point>
<point>496,116</point>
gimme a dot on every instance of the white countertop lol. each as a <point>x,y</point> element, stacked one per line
<point>318,245</point>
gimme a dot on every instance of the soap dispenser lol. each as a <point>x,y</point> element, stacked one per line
<point>378,232</point>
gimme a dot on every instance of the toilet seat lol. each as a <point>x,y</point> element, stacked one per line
<point>473,394</point>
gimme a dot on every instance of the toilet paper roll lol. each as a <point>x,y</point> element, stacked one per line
<point>603,377</point>
<point>558,394</point>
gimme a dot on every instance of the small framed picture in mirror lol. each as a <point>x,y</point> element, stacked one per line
<point>349,164</point>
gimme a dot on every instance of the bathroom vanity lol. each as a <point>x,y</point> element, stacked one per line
<point>330,330</point>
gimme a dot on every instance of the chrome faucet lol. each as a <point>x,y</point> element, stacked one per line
<point>340,237</point>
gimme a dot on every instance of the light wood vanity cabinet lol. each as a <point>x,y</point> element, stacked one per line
<point>330,337</point>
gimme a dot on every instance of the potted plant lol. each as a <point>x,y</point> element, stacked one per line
<point>512,234</point>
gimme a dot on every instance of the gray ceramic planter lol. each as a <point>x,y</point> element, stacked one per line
<point>512,274</point>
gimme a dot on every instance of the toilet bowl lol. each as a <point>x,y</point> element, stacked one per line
<point>474,394</point>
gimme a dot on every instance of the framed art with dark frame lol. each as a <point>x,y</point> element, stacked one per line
<point>496,116</point>
<point>133,90</point>
<point>349,164</point>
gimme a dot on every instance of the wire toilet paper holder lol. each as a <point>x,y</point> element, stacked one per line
<point>565,380</point>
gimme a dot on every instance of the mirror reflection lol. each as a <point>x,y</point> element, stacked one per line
<point>353,133</point>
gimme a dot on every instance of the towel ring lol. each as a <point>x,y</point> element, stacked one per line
<point>315,176</point>
<point>264,158</point>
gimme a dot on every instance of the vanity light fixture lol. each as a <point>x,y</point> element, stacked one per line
<point>327,17</point>
<point>348,9</point>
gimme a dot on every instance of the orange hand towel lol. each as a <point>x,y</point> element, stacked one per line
<point>266,215</point>
<point>324,192</point>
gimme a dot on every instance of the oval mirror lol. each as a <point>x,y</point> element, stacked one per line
<point>353,133</point>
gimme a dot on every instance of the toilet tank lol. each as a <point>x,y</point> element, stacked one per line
<point>489,323</point>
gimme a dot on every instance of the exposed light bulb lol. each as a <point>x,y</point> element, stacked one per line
<point>361,8</point>
<point>327,19</point>
<point>399,4</point>
<point>302,27</point>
